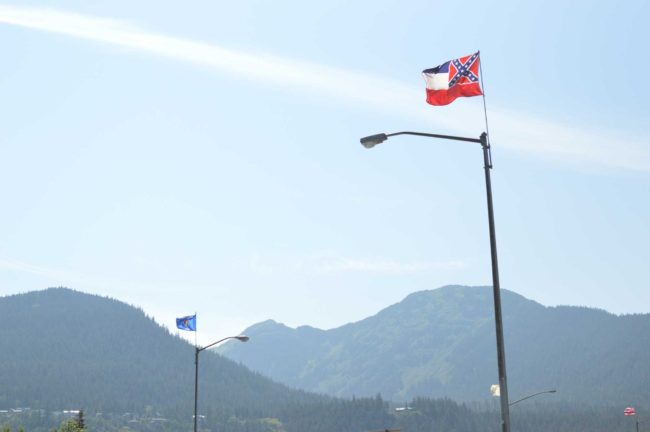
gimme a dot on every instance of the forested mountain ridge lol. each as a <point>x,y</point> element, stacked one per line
<point>62,349</point>
<point>441,343</point>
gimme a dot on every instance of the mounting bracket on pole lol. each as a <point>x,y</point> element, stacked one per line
<point>485,142</point>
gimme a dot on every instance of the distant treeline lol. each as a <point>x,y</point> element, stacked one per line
<point>355,415</point>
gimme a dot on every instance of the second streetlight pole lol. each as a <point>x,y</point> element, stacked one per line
<point>196,384</point>
<point>197,351</point>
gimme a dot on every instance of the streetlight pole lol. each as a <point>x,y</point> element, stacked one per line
<point>373,140</point>
<point>197,350</point>
<point>532,395</point>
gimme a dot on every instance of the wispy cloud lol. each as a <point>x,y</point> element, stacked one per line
<point>329,263</point>
<point>516,131</point>
<point>98,281</point>
<point>387,266</point>
<point>22,267</point>
<point>275,69</point>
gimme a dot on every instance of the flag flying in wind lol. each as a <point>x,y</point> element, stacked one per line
<point>453,79</point>
<point>629,411</point>
<point>186,323</point>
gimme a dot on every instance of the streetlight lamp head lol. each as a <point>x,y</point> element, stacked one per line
<point>242,338</point>
<point>373,140</point>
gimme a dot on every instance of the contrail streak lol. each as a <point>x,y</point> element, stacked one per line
<point>515,131</point>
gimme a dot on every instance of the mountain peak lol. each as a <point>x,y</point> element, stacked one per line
<point>71,349</point>
<point>441,343</point>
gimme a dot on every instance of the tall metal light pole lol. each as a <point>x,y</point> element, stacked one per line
<point>197,350</point>
<point>373,140</point>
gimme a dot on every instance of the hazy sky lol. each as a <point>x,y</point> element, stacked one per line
<point>205,156</point>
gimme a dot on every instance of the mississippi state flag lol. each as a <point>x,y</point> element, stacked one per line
<point>453,79</point>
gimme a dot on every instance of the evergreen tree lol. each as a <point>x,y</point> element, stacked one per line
<point>69,426</point>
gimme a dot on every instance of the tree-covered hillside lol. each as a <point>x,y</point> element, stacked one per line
<point>441,343</point>
<point>61,349</point>
<point>65,350</point>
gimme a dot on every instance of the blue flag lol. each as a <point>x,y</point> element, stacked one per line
<point>186,323</point>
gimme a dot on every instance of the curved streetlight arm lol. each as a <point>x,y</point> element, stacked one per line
<point>530,396</point>
<point>430,135</point>
<point>241,338</point>
<point>373,140</point>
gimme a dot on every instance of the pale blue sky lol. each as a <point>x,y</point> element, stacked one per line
<point>205,156</point>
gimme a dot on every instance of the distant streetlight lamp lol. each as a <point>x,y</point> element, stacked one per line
<point>197,350</point>
<point>532,395</point>
<point>371,141</point>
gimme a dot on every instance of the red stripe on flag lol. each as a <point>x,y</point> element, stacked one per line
<point>445,97</point>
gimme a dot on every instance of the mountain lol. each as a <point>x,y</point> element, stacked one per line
<point>61,349</point>
<point>441,343</point>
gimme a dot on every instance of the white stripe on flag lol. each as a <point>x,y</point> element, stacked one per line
<point>439,81</point>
